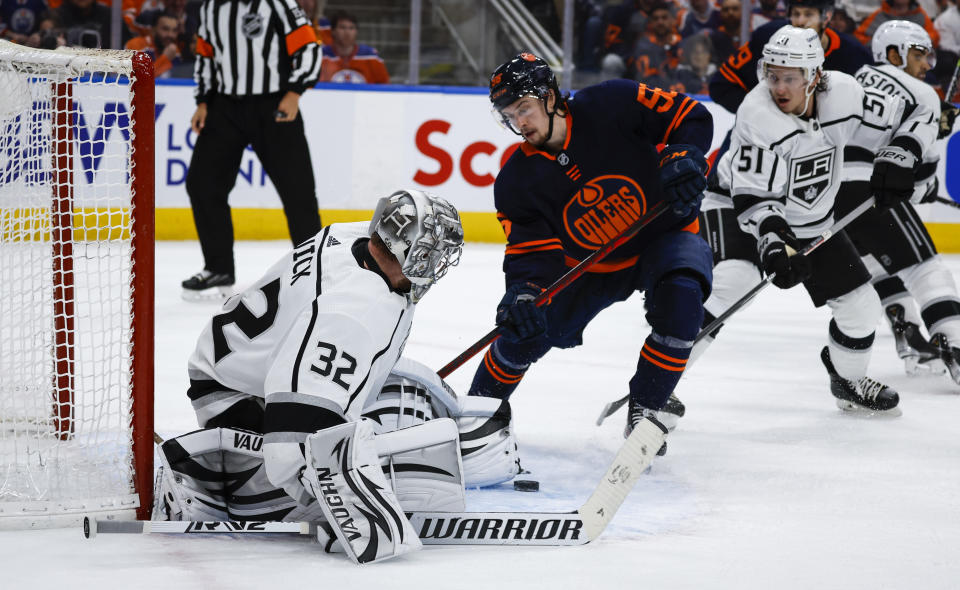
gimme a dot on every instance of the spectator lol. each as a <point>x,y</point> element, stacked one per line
<point>20,21</point>
<point>701,16</point>
<point>841,22</point>
<point>625,23</point>
<point>161,44</point>
<point>896,10</point>
<point>86,22</point>
<point>726,39</point>
<point>321,25</point>
<point>767,11</point>
<point>588,23</point>
<point>697,64</point>
<point>132,9</point>
<point>349,61</point>
<point>657,54</point>
<point>948,26</point>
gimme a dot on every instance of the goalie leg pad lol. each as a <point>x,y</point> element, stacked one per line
<point>217,474</point>
<point>488,444</point>
<point>422,464</point>
<point>344,473</point>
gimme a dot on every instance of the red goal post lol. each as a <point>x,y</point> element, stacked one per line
<point>76,285</point>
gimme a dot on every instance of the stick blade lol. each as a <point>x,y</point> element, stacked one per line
<point>631,461</point>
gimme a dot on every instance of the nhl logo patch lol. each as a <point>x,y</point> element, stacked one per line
<point>810,178</point>
<point>563,159</point>
<point>252,25</point>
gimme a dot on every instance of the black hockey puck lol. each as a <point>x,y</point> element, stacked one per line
<point>526,485</point>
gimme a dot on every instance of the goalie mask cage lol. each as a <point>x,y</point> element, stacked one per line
<point>76,285</point>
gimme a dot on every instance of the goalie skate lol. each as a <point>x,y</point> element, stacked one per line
<point>862,395</point>
<point>919,357</point>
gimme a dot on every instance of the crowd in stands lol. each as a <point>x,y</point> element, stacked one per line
<point>673,44</point>
<point>167,31</point>
<point>678,44</point>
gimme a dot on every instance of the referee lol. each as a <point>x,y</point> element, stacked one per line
<point>254,60</point>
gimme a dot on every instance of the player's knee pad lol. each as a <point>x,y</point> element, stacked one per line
<point>422,464</point>
<point>344,473</point>
<point>488,444</point>
<point>217,474</point>
<point>732,279</point>
<point>857,312</point>
<point>676,308</point>
<point>931,284</point>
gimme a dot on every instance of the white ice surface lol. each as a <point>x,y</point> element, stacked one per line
<point>766,485</point>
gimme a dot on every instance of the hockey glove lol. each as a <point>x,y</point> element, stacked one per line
<point>682,170</point>
<point>787,270</point>
<point>933,191</point>
<point>948,115</point>
<point>892,178</point>
<point>518,317</point>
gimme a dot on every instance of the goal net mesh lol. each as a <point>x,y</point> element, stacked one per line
<point>66,167</point>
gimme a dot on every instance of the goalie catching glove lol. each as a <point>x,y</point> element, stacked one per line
<point>778,257</point>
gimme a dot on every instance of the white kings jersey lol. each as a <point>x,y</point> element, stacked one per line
<point>780,164</point>
<point>317,329</point>
<point>893,81</point>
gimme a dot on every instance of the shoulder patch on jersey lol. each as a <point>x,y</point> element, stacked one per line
<point>810,177</point>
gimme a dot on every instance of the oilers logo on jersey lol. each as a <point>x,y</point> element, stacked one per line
<point>810,177</point>
<point>602,209</point>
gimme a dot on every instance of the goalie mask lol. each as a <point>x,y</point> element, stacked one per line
<point>423,232</point>
<point>903,36</point>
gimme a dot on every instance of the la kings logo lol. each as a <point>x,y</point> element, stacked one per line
<point>810,178</point>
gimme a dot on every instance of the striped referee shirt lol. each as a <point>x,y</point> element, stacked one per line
<point>251,47</point>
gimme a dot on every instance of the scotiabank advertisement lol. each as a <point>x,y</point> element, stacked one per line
<point>367,142</point>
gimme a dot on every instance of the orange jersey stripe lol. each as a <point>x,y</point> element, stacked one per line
<point>681,117</point>
<point>300,37</point>
<point>675,117</point>
<point>658,363</point>
<point>516,250</point>
<point>204,49</point>
<point>693,227</point>
<point>602,267</point>
<point>727,73</point>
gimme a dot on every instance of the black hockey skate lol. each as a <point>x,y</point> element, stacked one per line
<point>950,355</point>
<point>918,355</point>
<point>207,285</point>
<point>636,413</point>
<point>864,394</point>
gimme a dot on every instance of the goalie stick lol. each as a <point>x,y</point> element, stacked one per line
<point>560,284</point>
<point>578,527</point>
<point>946,201</point>
<point>611,408</point>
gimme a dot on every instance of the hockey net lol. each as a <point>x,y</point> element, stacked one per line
<point>76,285</point>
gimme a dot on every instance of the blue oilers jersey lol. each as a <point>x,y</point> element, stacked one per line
<point>557,209</point>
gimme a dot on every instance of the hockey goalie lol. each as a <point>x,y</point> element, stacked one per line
<point>308,413</point>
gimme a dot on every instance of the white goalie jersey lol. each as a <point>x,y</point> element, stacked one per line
<point>780,164</point>
<point>891,81</point>
<point>316,329</point>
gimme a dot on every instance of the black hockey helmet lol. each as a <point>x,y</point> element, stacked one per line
<point>525,74</point>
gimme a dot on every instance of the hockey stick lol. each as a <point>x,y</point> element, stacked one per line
<point>946,201</point>
<point>578,527</point>
<point>561,283</point>
<point>612,407</point>
<point>952,88</point>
